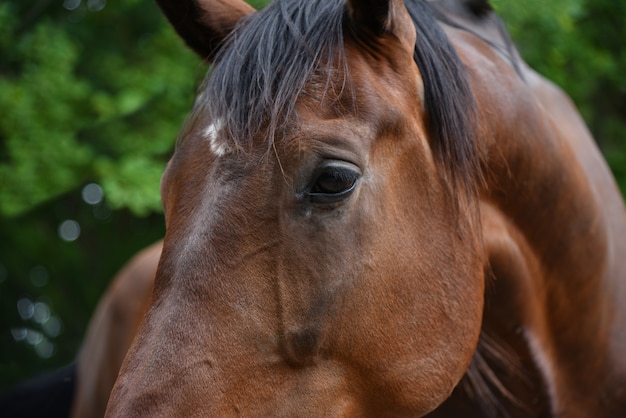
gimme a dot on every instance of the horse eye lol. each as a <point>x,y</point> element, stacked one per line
<point>333,184</point>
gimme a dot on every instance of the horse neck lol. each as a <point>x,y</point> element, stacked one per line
<point>551,220</point>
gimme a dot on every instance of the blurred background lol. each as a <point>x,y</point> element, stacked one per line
<point>92,94</point>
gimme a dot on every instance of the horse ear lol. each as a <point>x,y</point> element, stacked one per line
<point>204,24</point>
<point>379,18</point>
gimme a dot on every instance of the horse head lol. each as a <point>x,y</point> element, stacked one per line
<point>322,252</point>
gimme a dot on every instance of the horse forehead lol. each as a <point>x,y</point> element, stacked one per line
<point>335,129</point>
<point>358,106</point>
<point>390,75</point>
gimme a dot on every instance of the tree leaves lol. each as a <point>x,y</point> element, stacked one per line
<point>86,95</point>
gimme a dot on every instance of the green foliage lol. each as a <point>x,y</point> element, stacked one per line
<point>84,98</point>
<point>86,95</point>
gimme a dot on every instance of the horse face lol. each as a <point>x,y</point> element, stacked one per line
<point>327,271</point>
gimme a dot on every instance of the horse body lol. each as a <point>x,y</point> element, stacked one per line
<point>359,247</point>
<point>110,332</point>
<point>553,221</point>
<point>572,227</point>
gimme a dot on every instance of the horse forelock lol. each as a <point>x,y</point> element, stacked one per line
<point>269,62</point>
<point>266,65</point>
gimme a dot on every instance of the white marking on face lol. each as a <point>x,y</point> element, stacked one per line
<point>211,133</point>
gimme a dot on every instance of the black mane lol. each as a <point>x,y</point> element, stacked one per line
<point>265,65</point>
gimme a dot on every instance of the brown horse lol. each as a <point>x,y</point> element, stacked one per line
<point>376,209</point>
<point>110,332</point>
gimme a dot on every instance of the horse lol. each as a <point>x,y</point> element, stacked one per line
<point>110,332</point>
<point>376,208</point>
